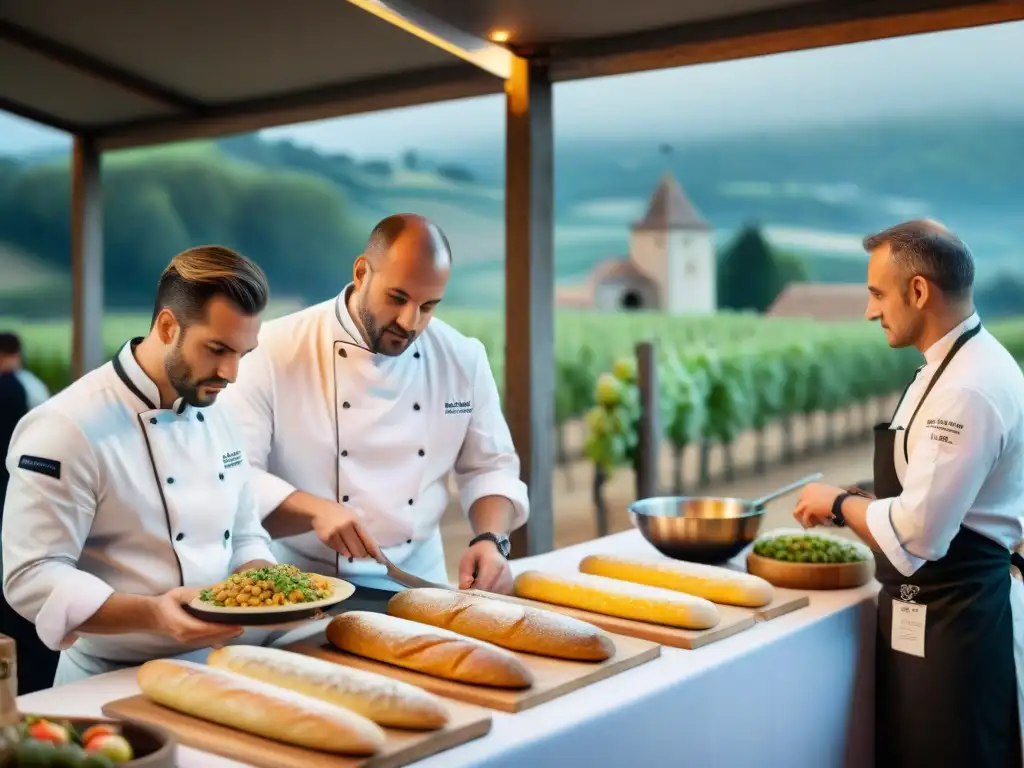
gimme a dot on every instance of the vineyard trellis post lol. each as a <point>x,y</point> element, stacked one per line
<point>648,449</point>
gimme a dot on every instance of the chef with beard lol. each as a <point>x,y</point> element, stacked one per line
<point>129,490</point>
<point>356,410</point>
<point>949,482</point>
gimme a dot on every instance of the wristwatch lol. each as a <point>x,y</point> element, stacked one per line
<point>501,541</point>
<point>837,508</point>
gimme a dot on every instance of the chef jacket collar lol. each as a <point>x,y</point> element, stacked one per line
<point>143,387</point>
<point>937,351</point>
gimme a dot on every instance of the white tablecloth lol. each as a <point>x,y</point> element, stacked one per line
<point>792,692</point>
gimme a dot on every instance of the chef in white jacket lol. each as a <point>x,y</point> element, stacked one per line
<point>130,488</point>
<point>949,482</point>
<point>356,410</point>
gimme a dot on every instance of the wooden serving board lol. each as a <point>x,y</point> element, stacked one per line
<point>402,748</point>
<point>552,677</point>
<point>733,620</point>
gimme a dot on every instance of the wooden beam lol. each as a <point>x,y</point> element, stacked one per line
<point>648,450</point>
<point>530,293</point>
<point>426,26</point>
<point>793,28</point>
<point>456,81</point>
<point>86,258</point>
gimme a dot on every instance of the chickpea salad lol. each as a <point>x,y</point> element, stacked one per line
<point>268,587</point>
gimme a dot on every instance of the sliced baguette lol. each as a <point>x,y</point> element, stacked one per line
<point>430,650</point>
<point>239,702</point>
<point>613,597</point>
<point>719,585</point>
<point>512,626</point>
<point>387,702</point>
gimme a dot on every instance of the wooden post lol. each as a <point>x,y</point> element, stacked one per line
<point>86,258</point>
<point>530,294</point>
<point>648,451</point>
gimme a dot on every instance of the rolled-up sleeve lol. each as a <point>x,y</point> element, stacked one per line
<point>48,512</point>
<point>961,437</point>
<point>487,464</point>
<point>251,403</point>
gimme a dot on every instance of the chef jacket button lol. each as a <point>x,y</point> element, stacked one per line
<point>342,353</point>
<point>179,537</point>
<point>416,355</point>
<point>153,420</point>
<point>415,406</point>
<point>422,452</point>
<point>410,502</point>
<point>220,475</point>
<point>170,480</point>
<point>344,498</point>
<point>200,417</point>
<point>345,404</point>
<point>408,541</point>
<point>227,535</point>
<point>344,453</point>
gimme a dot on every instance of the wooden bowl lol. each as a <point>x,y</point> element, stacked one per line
<point>782,573</point>
<point>153,747</point>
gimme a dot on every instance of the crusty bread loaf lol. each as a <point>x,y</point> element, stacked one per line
<point>259,708</point>
<point>387,702</point>
<point>613,597</point>
<point>512,626</point>
<point>719,585</point>
<point>430,650</point>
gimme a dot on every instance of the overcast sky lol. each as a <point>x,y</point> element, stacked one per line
<point>964,71</point>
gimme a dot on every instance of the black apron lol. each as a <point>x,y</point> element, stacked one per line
<point>957,706</point>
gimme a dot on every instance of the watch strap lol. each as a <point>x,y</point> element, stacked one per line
<point>501,542</point>
<point>838,519</point>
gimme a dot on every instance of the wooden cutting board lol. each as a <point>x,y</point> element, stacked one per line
<point>733,620</point>
<point>402,747</point>
<point>552,677</point>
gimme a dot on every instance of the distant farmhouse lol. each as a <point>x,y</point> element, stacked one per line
<point>672,267</point>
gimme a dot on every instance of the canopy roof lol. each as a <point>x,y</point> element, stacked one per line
<point>128,72</point>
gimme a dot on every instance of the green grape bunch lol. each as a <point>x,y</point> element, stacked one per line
<point>808,548</point>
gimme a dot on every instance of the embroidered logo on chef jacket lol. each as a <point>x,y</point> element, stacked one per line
<point>943,430</point>
<point>453,407</point>
<point>232,459</point>
<point>47,467</point>
<point>908,592</point>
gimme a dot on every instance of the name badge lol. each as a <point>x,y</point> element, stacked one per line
<point>908,622</point>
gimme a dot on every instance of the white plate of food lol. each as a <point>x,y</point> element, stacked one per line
<point>271,595</point>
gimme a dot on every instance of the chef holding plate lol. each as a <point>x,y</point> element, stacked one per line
<point>949,482</point>
<point>356,410</point>
<point>129,489</point>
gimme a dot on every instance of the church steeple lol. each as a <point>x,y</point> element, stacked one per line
<point>670,209</point>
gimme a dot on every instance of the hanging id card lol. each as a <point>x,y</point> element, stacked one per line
<point>908,622</point>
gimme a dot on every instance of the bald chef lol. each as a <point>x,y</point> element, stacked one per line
<point>129,488</point>
<point>949,481</point>
<point>356,410</point>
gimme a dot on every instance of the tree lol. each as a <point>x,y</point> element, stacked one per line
<point>749,274</point>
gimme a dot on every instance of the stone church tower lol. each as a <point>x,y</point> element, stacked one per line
<point>674,247</point>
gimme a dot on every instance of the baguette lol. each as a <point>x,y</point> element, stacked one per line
<point>387,702</point>
<point>719,585</point>
<point>430,650</point>
<point>259,708</point>
<point>613,597</point>
<point>512,626</point>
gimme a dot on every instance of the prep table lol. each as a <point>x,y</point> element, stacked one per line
<point>790,692</point>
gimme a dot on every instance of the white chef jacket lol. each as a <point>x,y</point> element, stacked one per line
<point>322,414</point>
<point>966,463</point>
<point>108,492</point>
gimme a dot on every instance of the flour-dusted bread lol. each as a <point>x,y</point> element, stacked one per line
<point>259,708</point>
<point>613,597</point>
<point>512,626</point>
<point>430,650</point>
<point>387,702</point>
<point>719,585</point>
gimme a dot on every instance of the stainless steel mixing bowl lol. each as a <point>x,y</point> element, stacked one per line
<point>704,529</point>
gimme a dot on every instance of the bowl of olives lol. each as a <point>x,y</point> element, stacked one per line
<point>804,560</point>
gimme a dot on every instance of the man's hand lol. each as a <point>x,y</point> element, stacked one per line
<point>171,620</point>
<point>814,507</point>
<point>339,528</point>
<point>483,567</point>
